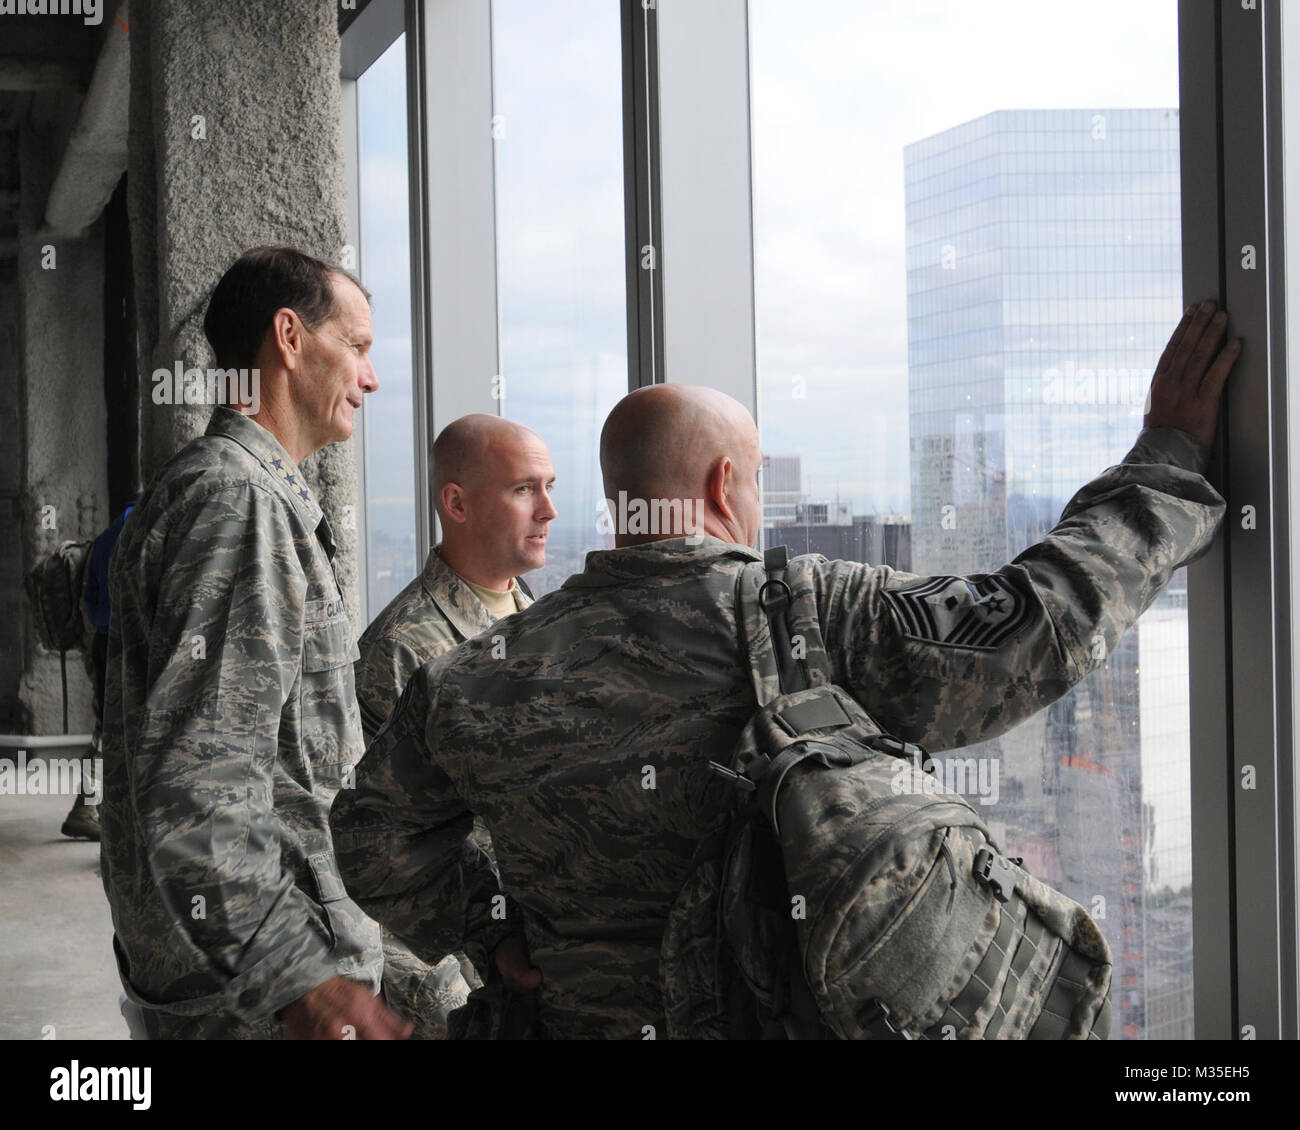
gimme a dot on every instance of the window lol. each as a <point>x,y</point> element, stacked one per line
<point>557,121</point>
<point>967,262</point>
<point>387,448</point>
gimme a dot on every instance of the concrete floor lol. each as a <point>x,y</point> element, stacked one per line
<point>56,958</point>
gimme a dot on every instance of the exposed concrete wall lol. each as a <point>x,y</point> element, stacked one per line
<point>65,449</point>
<point>12,627</point>
<point>263,77</point>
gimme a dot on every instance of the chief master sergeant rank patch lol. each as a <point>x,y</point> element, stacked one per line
<point>960,611</point>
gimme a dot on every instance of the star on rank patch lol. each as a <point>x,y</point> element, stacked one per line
<point>960,611</point>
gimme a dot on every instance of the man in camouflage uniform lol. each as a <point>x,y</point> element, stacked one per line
<point>634,665</point>
<point>491,481</point>
<point>230,717</point>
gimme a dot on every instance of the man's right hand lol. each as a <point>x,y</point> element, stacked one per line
<point>1183,394</point>
<point>341,1009</point>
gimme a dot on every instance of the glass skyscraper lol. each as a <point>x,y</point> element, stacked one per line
<point>1043,280</point>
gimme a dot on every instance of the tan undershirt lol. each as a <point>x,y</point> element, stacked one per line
<point>496,602</point>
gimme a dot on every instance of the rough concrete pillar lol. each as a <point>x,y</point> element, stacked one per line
<point>64,446</point>
<point>236,142</point>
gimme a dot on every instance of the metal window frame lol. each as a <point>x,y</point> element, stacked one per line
<point>1283,38</point>
<point>642,193</point>
<point>1252,594</point>
<point>1210,687</point>
<point>1239,601</point>
<point>1285,880</point>
<point>421,326</point>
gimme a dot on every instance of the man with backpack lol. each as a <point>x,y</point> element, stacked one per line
<point>584,740</point>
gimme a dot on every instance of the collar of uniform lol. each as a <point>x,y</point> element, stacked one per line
<point>454,598</point>
<point>654,558</point>
<point>264,447</point>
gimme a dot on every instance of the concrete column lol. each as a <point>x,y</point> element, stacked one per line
<point>60,320</point>
<point>236,142</point>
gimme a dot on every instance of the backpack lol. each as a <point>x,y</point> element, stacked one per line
<point>54,587</point>
<point>846,893</point>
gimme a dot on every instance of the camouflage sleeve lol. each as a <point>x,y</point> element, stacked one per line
<point>424,994</point>
<point>403,844</point>
<point>948,661</point>
<point>224,655</point>
<point>381,674</point>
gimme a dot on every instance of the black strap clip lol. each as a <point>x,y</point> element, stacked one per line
<point>738,779</point>
<point>997,873</point>
<point>879,1023</point>
<point>896,747</point>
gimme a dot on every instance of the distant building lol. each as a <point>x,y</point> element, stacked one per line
<point>828,528</point>
<point>824,513</point>
<point>782,489</point>
<point>884,539</point>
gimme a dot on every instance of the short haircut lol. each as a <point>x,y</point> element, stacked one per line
<point>260,282</point>
<point>462,452</point>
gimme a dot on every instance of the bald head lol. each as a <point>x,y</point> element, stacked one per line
<point>675,441</point>
<point>466,448</point>
<point>492,482</point>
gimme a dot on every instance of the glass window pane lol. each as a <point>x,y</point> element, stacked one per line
<point>967,230</point>
<point>387,416</point>
<point>559,129</point>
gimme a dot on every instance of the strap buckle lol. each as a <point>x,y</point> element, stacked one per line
<point>871,1021</point>
<point>738,779</point>
<point>896,747</point>
<point>995,872</point>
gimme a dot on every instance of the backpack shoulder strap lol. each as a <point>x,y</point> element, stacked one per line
<point>776,619</point>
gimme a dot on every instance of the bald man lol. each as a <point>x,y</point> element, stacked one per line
<point>491,482</point>
<point>583,739</point>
